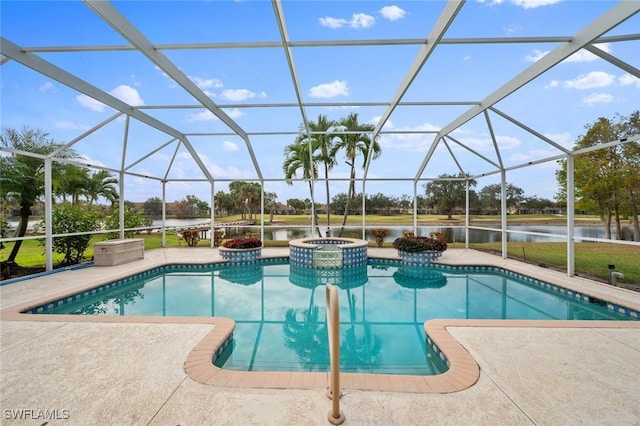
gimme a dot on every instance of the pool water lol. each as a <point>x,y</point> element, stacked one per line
<point>279,310</point>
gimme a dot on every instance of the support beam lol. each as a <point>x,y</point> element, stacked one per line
<point>571,208</point>
<point>615,61</point>
<point>446,18</point>
<point>38,64</point>
<point>503,212</point>
<point>605,22</point>
<point>119,23</point>
<point>48,213</point>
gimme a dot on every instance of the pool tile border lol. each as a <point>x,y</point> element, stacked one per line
<point>463,371</point>
<point>72,297</point>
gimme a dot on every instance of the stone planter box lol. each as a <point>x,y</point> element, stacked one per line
<point>249,255</point>
<point>116,252</point>
<point>421,258</point>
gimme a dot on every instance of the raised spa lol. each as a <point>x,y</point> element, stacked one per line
<point>333,252</point>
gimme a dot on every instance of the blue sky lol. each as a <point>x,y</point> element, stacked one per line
<point>557,104</point>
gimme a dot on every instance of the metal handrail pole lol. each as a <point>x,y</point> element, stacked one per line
<point>336,416</point>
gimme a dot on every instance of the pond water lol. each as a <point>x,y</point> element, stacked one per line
<point>452,234</point>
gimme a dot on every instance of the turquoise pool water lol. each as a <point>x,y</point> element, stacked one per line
<point>280,314</point>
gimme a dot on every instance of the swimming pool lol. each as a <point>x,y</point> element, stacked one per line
<point>279,309</point>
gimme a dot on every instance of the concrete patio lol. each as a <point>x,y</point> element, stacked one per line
<point>133,373</point>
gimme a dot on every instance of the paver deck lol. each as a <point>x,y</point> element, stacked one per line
<point>95,372</point>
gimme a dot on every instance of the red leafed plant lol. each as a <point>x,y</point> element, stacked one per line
<point>243,243</point>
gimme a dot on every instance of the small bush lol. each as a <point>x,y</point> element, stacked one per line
<point>243,243</point>
<point>191,237</point>
<point>218,234</point>
<point>66,220</point>
<point>380,234</point>
<point>419,244</point>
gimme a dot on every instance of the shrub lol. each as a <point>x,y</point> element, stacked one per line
<point>419,244</point>
<point>218,234</point>
<point>243,243</point>
<point>191,237</point>
<point>131,220</point>
<point>380,234</point>
<point>67,220</point>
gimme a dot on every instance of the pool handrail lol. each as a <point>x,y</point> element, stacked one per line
<point>336,417</point>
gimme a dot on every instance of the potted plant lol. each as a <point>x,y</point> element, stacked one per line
<point>241,250</point>
<point>420,250</point>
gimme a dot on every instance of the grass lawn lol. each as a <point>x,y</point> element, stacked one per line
<point>592,259</point>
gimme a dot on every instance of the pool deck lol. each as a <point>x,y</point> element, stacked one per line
<point>140,371</point>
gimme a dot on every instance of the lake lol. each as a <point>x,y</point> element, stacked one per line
<point>452,234</point>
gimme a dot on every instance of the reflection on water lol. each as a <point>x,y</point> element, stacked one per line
<point>280,319</point>
<point>419,277</point>
<point>341,277</point>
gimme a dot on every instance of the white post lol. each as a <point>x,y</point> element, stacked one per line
<point>466,219</point>
<point>48,213</point>
<point>503,209</point>
<point>164,213</point>
<point>213,213</point>
<point>121,209</point>
<point>571,264</point>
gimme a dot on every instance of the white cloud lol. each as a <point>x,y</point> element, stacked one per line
<point>629,80</point>
<point>69,125</point>
<point>358,20</point>
<point>46,87</point>
<point>581,55</point>
<point>209,83</point>
<point>205,115</point>
<point>565,139</point>
<point>532,4</point>
<point>127,94</point>
<point>90,103</point>
<point>526,4</point>
<point>329,90</point>
<point>486,144</point>
<point>388,125</point>
<point>229,146</point>
<point>240,94</point>
<point>591,80</point>
<point>597,98</point>
<point>512,28</point>
<point>535,55</point>
<point>534,154</point>
<point>233,112</point>
<point>409,141</point>
<point>330,22</point>
<point>362,20</point>
<point>392,13</point>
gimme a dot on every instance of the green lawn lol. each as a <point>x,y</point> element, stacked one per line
<point>592,259</point>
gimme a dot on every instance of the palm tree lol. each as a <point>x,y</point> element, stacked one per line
<point>101,184</point>
<point>298,156</point>
<point>71,180</point>
<point>354,144</point>
<point>22,176</point>
<point>323,144</point>
<point>246,196</point>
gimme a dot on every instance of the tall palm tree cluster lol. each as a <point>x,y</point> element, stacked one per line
<point>320,146</point>
<point>22,176</point>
